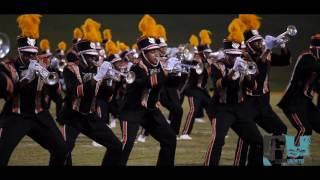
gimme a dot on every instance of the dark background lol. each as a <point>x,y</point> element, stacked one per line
<point>179,28</point>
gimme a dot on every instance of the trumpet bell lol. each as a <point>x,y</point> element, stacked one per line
<point>4,45</point>
<point>252,68</point>
<point>130,77</point>
<point>52,78</point>
<point>292,30</point>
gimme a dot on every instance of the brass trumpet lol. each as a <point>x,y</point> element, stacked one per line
<point>114,74</point>
<point>291,31</point>
<point>50,78</point>
<point>185,68</point>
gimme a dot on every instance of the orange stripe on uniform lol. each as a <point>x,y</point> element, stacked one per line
<point>189,117</point>
<point>80,90</point>
<point>213,137</point>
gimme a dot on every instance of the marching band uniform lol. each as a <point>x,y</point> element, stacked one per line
<point>24,113</point>
<point>262,112</point>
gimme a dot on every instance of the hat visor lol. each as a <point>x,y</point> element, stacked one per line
<point>115,60</point>
<point>45,55</point>
<point>90,52</point>
<point>254,38</point>
<point>163,45</point>
<point>207,50</point>
<point>30,49</point>
<point>233,51</point>
<point>151,47</point>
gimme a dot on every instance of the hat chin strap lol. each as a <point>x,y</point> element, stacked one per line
<point>84,59</point>
<point>20,58</point>
<point>154,65</point>
<point>250,48</point>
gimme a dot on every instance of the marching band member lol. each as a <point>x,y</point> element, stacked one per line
<point>83,80</point>
<point>24,113</point>
<point>229,108</point>
<point>296,102</point>
<point>196,92</point>
<point>140,107</point>
<point>260,51</point>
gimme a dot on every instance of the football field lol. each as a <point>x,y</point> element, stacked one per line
<point>188,152</point>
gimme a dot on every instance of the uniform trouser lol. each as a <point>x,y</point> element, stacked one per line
<point>103,110</point>
<point>98,131</point>
<point>200,113</point>
<point>155,123</point>
<point>305,117</point>
<point>198,99</point>
<point>41,128</point>
<point>234,116</point>
<point>268,120</point>
<point>169,98</point>
<point>115,107</point>
<point>57,99</point>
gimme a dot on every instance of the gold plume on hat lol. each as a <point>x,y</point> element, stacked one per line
<point>29,25</point>
<point>236,30</point>
<point>112,48</point>
<point>62,45</point>
<point>122,46</point>
<point>147,26</point>
<point>44,44</point>
<point>134,46</point>
<point>91,30</point>
<point>205,37</point>
<point>251,21</point>
<point>193,40</point>
<point>107,34</point>
<point>77,33</point>
<point>161,31</point>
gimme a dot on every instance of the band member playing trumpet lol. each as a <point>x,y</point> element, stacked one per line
<point>259,51</point>
<point>196,91</point>
<point>229,107</point>
<point>50,92</point>
<point>297,102</point>
<point>24,113</point>
<point>83,78</point>
<point>140,107</point>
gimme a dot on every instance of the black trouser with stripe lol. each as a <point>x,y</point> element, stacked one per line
<point>155,123</point>
<point>198,99</point>
<point>97,130</point>
<point>169,98</point>
<point>236,117</point>
<point>262,113</point>
<point>41,128</point>
<point>305,117</point>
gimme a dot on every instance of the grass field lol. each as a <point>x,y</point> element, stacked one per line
<point>188,153</point>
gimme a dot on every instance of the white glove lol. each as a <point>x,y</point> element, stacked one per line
<point>216,56</point>
<point>271,42</point>
<point>239,64</point>
<point>102,71</point>
<point>29,73</point>
<point>171,63</point>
